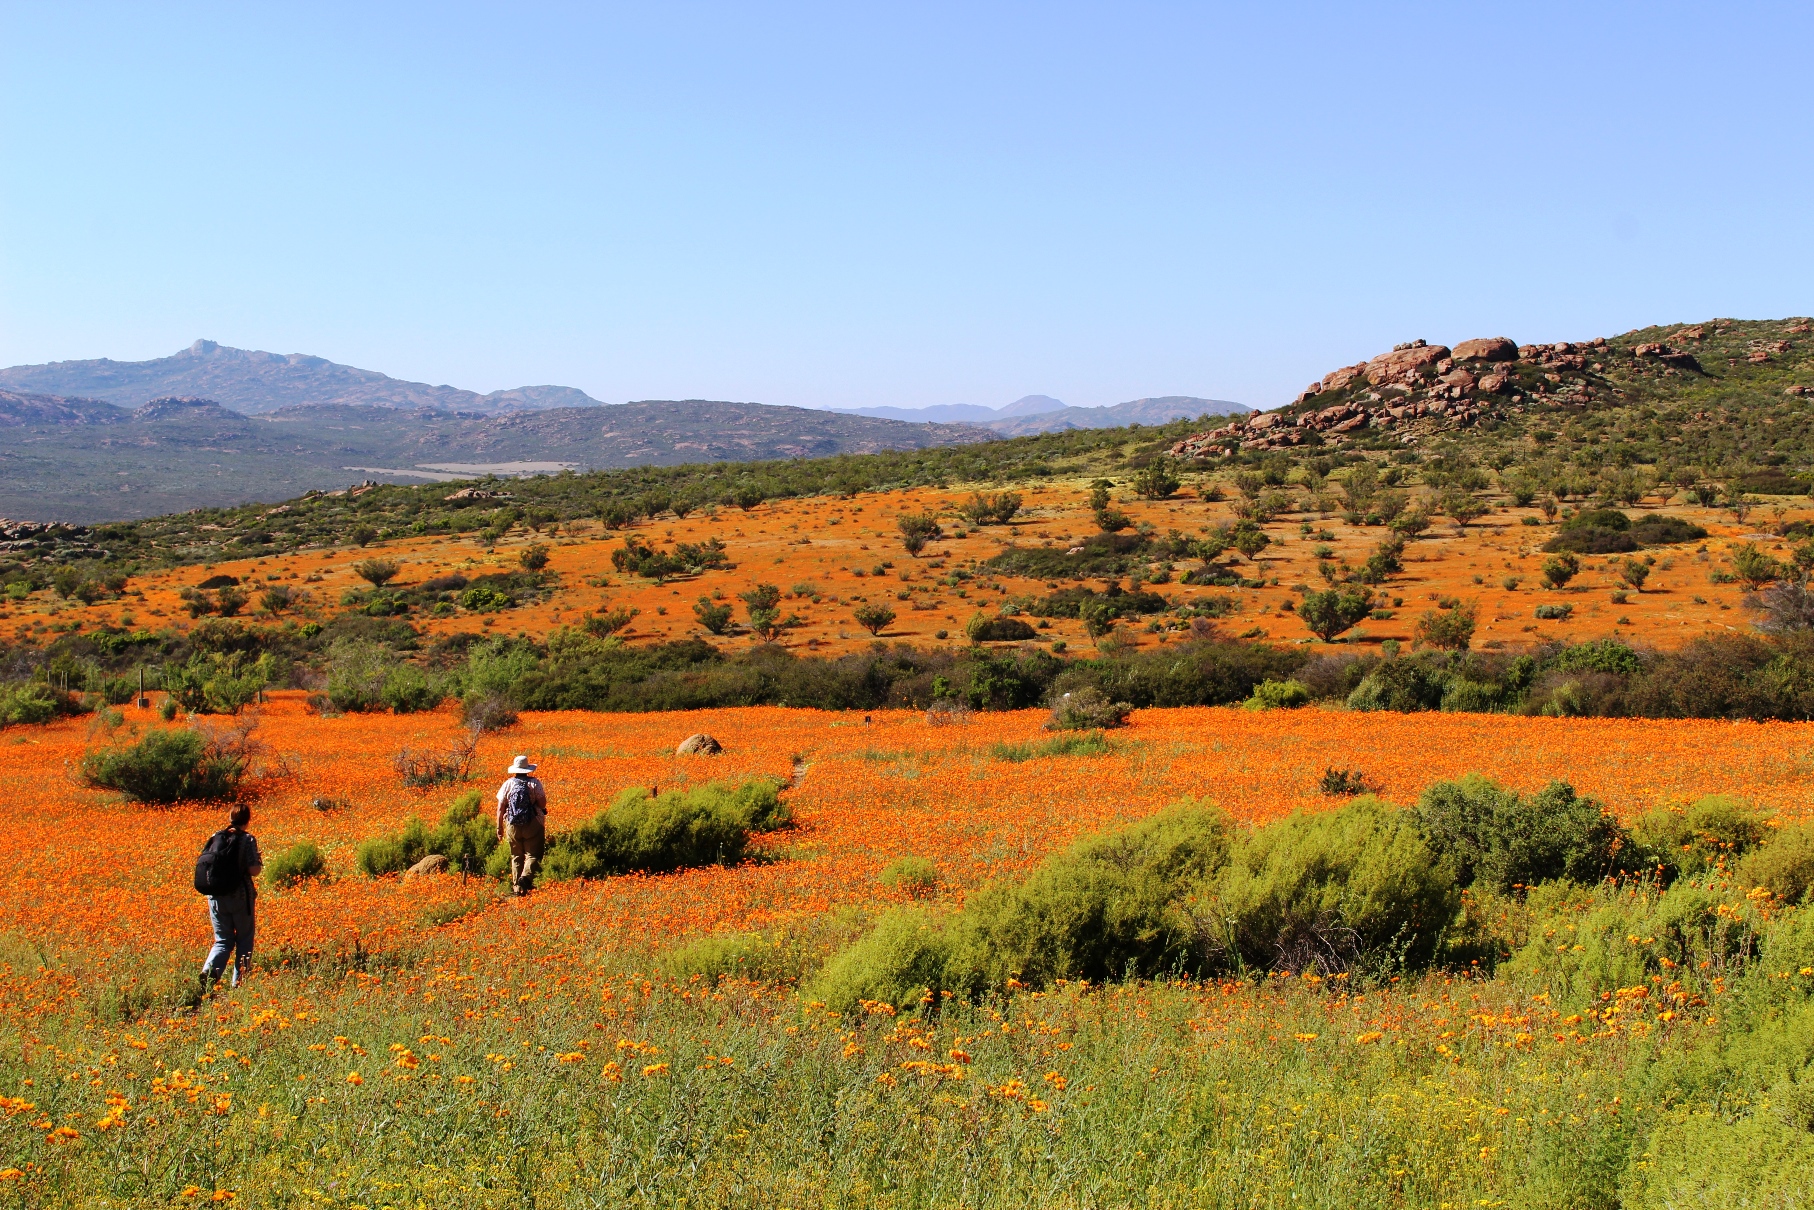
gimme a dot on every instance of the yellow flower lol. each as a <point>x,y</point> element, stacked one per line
<point>655,1069</point>
<point>353,1077</point>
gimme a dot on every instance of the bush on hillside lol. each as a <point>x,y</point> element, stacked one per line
<point>1657,529</point>
<point>914,877</point>
<point>1087,709</point>
<point>1107,908</point>
<point>1715,831</point>
<point>1782,865</point>
<point>1330,892</point>
<point>1278,695</point>
<point>677,829</point>
<point>299,862</point>
<point>467,836</point>
<point>1497,838</point>
<point>167,765</point>
<point>1404,685</point>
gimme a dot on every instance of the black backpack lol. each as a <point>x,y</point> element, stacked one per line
<point>217,870</point>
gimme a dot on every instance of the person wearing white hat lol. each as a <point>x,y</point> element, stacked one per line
<point>522,818</point>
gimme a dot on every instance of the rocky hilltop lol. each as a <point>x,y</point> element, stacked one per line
<point>1418,390</point>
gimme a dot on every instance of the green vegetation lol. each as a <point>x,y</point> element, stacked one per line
<point>296,864</point>
<point>675,829</point>
<point>168,765</point>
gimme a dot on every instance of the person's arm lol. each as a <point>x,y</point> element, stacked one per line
<point>541,798</point>
<point>255,862</point>
<point>497,814</point>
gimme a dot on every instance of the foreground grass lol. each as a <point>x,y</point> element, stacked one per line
<point>447,1086</point>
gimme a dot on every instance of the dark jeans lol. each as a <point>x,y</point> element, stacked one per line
<point>235,921</point>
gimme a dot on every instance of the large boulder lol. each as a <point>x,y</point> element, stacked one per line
<point>1336,380</point>
<point>1487,348</point>
<point>699,745</point>
<point>429,866</point>
<point>1402,363</point>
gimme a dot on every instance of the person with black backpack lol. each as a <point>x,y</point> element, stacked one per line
<point>224,873</point>
<point>522,819</point>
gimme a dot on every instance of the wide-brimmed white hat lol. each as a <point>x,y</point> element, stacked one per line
<point>520,765</point>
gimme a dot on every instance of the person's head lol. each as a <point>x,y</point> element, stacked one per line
<point>239,816</point>
<point>520,767</point>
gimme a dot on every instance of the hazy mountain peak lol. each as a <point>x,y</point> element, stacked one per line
<point>1032,405</point>
<point>254,382</point>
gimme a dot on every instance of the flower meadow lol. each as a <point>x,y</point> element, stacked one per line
<point>425,1042</point>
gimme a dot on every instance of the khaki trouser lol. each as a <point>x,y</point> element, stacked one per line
<point>526,841</point>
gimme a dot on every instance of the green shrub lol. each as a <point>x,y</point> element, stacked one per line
<point>906,959</point>
<point>466,836</point>
<point>983,629</point>
<point>1657,529</point>
<point>1783,865</point>
<point>1712,832</point>
<point>1462,696</point>
<point>1586,941</point>
<point>1278,695</point>
<point>1334,611</point>
<point>1107,908</point>
<point>915,877</point>
<point>1498,838</point>
<point>407,689</point>
<point>300,861</point>
<point>167,765</point>
<point>1403,685</point>
<point>1329,892</point>
<point>1599,655</point>
<point>29,702</point>
<point>677,829</point>
<point>1554,613</point>
<point>1087,709</point>
<point>393,854</point>
<point>750,956</point>
<point>1091,743</point>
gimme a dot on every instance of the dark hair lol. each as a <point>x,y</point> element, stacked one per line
<point>239,816</point>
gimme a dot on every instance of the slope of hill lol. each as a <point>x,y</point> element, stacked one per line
<point>1044,414</point>
<point>1725,397</point>
<point>252,382</point>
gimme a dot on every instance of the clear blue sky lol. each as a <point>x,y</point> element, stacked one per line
<point>856,204</point>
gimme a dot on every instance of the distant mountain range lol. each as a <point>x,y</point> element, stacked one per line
<point>1044,414</point>
<point>212,425</point>
<point>253,383</point>
<point>64,459</point>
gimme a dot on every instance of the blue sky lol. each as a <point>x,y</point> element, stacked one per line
<point>847,205</point>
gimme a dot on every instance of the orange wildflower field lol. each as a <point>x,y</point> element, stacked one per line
<point>846,552</point>
<point>424,1042</point>
<point>865,790</point>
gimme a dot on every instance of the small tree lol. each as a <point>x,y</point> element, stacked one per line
<point>1755,567</point>
<point>230,601</point>
<point>1447,629</point>
<point>1634,572</point>
<point>1463,508</point>
<point>1250,540</point>
<point>714,617</point>
<point>1739,505</point>
<point>873,617</point>
<point>376,572</point>
<point>917,529</point>
<point>1550,506</point>
<point>533,557</point>
<point>1099,495</point>
<point>763,605</point>
<point>277,599</point>
<point>1334,611</point>
<point>1558,570</point>
<point>1158,479</point>
<point>998,509</point>
<point>1112,520</point>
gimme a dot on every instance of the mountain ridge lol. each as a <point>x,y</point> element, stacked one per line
<point>253,382</point>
